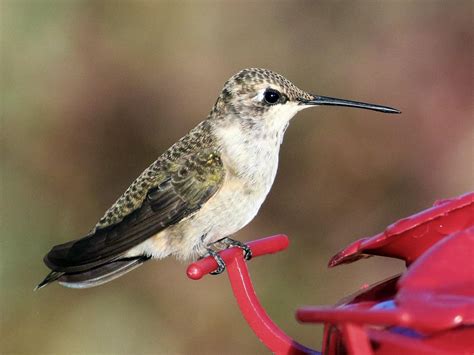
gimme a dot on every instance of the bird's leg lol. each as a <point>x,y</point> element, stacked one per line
<point>229,242</point>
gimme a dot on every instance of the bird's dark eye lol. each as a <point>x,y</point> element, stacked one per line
<point>271,96</point>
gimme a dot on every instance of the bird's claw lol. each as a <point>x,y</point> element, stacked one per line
<point>229,242</point>
<point>220,262</point>
<point>245,248</point>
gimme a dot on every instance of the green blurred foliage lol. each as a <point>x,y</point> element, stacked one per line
<point>93,91</point>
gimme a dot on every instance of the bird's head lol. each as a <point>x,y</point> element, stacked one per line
<point>258,97</point>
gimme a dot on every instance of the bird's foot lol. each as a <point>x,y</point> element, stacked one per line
<point>220,262</point>
<point>226,242</point>
<point>229,242</point>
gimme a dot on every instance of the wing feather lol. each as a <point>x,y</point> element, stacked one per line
<point>182,190</point>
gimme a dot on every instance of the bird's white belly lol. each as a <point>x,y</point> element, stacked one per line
<point>233,207</point>
<point>228,211</point>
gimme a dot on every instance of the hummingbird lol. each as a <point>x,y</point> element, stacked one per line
<point>199,192</point>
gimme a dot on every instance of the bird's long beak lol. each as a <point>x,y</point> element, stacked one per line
<point>332,101</point>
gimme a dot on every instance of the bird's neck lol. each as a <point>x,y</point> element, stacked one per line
<point>250,151</point>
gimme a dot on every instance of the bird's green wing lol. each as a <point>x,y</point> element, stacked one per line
<point>179,189</point>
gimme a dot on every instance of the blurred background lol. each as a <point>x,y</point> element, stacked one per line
<point>93,91</point>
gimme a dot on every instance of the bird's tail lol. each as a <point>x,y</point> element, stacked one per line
<point>95,276</point>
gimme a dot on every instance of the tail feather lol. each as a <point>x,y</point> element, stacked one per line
<point>95,276</point>
<point>51,277</point>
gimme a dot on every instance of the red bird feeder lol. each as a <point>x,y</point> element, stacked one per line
<point>429,309</point>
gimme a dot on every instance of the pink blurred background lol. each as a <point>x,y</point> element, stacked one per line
<point>93,91</point>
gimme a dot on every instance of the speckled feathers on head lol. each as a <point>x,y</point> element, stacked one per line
<point>245,84</point>
<point>247,79</point>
